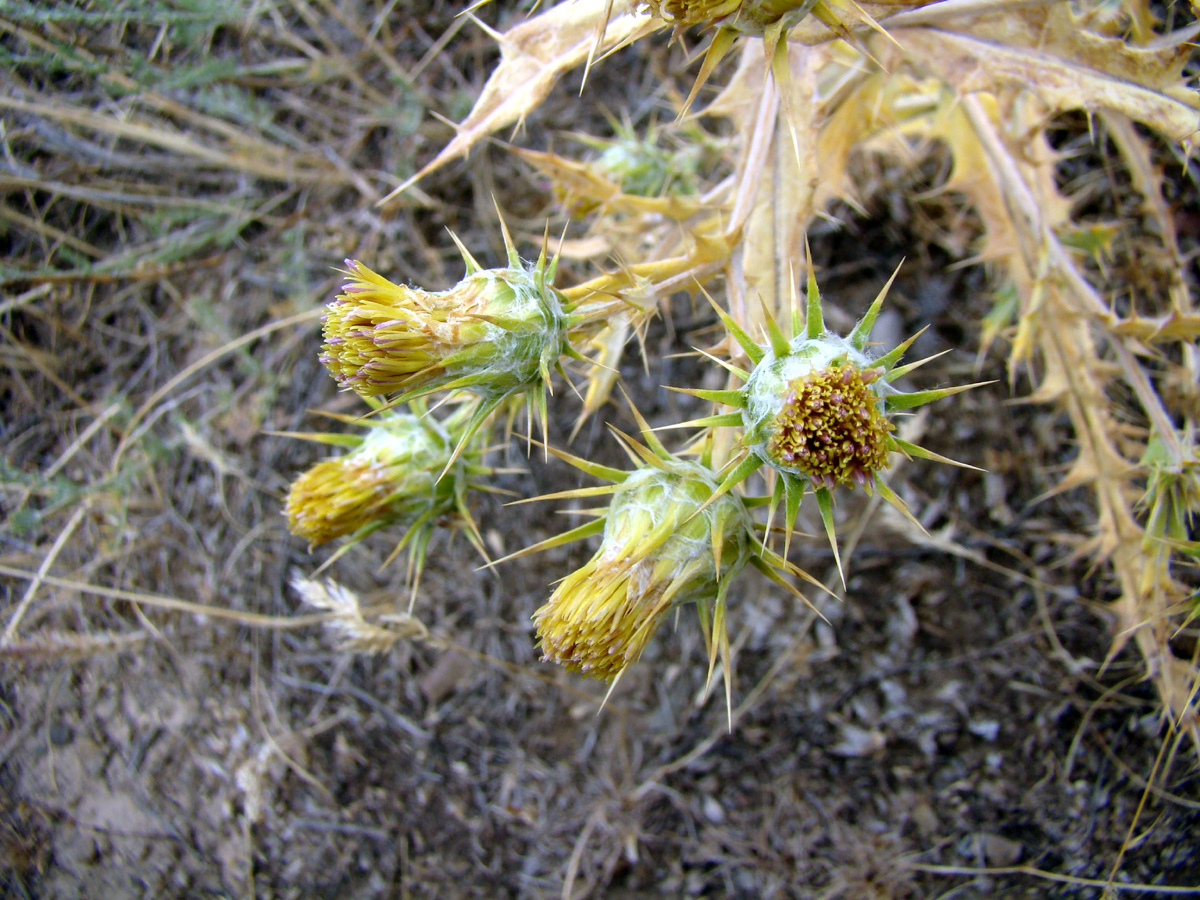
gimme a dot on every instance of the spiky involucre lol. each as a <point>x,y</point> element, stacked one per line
<point>661,548</point>
<point>494,333</point>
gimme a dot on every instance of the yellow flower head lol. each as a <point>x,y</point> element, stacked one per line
<point>661,548</point>
<point>390,476</point>
<point>668,539</point>
<point>815,408</point>
<point>495,333</point>
<point>402,472</point>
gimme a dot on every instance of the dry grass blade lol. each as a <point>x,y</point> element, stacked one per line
<point>55,646</point>
<point>173,604</point>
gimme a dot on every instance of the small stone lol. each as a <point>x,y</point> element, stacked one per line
<point>60,734</point>
<point>1000,851</point>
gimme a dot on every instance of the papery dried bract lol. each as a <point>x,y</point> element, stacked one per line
<point>534,55</point>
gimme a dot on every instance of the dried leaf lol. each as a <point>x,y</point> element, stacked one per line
<point>533,56</point>
<point>972,64</point>
<point>1054,30</point>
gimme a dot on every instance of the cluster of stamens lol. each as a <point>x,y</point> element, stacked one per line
<point>336,497</point>
<point>831,428</point>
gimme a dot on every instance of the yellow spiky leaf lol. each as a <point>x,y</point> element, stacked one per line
<point>533,56</point>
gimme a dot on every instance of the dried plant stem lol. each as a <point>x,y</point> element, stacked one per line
<point>39,577</point>
<point>1064,334</point>
<point>170,603</point>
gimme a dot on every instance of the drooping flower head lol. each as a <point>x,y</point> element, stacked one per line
<point>666,542</point>
<point>816,409</point>
<point>392,476</point>
<point>496,334</point>
<point>656,553</point>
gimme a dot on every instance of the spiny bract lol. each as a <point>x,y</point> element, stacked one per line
<point>815,409</point>
<point>666,542</point>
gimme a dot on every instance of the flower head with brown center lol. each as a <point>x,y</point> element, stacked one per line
<point>815,408</point>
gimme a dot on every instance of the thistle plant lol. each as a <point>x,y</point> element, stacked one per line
<point>810,410</point>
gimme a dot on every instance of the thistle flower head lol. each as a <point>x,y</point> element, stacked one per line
<point>668,539</point>
<point>495,334</point>
<point>388,478</point>
<point>816,409</point>
<point>659,550</point>
<point>391,476</point>
<point>817,412</point>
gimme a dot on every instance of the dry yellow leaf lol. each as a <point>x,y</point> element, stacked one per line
<point>533,56</point>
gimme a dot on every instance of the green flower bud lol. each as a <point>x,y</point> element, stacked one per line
<point>750,15</point>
